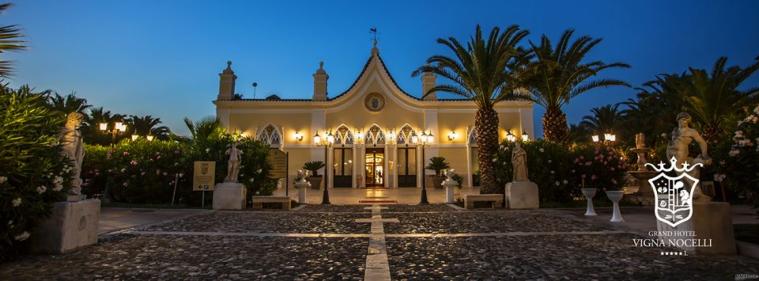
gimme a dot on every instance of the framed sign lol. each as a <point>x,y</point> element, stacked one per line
<point>204,176</point>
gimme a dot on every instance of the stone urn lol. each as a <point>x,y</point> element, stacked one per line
<point>302,185</point>
<point>589,193</point>
<point>450,186</point>
<point>615,196</point>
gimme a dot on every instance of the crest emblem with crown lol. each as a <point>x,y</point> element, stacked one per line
<point>673,194</point>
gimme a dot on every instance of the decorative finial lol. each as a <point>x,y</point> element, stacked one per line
<point>373,31</point>
<point>229,63</point>
<point>321,65</point>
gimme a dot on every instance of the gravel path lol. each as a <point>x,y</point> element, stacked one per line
<point>565,257</point>
<point>491,221</point>
<point>267,222</point>
<point>200,258</point>
<point>532,245</point>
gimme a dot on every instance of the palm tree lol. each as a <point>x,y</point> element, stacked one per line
<point>9,41</point>
<point>484,71</point>
<point>68,104</point>
<point>559,74</point>
<point>147,125</point>
<point>204,129</point>
<point>657,104</point>
<point>607,118</point>
<point>713,98</point>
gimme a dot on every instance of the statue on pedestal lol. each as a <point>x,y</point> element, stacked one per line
<point>233,165</point>
<point>519,163</point>
<point>73,149</point>
<point>682,137</point>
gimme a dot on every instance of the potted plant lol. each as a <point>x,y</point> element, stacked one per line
<point>436,164</point>
<point>315,179</point>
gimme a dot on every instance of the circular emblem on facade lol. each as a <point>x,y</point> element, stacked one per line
<point>374,102</point>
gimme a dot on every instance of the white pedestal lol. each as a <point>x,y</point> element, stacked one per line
<point>71,225</point>
<point>615,196</point>
<point>449,195</point>
<point>302,187</point>
<point>712,223</point>
<point>522,195</point>
<point>229,196</point>
<point>589,193</point>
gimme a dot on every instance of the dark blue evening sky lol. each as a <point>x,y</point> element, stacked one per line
<point>162,57</point>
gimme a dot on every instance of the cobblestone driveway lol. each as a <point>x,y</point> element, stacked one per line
<point>327,243</point>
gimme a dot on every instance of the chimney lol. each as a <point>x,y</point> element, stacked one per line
<point>227,83</point>
<point>428,82</point>
<point>320,83</point>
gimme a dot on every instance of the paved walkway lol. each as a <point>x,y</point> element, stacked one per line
<point>402,195</point>
<point>405,242</point>
<point>115,219</point>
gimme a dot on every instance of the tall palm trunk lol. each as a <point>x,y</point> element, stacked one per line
<point>555,125</point>
<point>486,123</point>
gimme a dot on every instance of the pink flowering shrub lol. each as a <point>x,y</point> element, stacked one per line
<point>548,165</point>
<point>738,160</point>
<point>598,166</point>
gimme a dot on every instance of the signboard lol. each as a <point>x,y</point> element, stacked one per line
<point>204,176</point>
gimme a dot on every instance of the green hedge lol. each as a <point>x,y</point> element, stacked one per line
<point>558,170</point>
<point>144,172</point>
<point>33,173</point>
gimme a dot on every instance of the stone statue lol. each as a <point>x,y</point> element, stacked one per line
<point>73,149</point>
<point>519,163</point>
<point>682,137</point>
<point>233,165</point>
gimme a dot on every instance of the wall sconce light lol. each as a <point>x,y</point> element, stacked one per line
<point>525,137</point>
<point>317,139</point>
<point>510,137</point>
<point>298,136</point>
<point>150,137</point>
<point>359,136</point>
<point>391,135</point>
<point>595,138</point>
<point>134,137</point>
<point>452,136</point>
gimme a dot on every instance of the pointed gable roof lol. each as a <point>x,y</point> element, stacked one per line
<point>382,68</point>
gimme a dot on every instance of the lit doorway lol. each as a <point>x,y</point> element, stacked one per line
<point>375,167</point>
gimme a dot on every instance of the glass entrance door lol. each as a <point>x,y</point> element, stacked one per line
<point>375,165</point>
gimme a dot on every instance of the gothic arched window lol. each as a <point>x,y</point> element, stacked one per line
<point>343,135</point>
<point>375,135</point>
<point>270,135</point>
<point>404,135</point>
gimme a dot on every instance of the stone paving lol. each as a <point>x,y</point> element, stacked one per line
<point>404,242</point>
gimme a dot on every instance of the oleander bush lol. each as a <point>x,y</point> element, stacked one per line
<point>143,171</point>
<point>559,171</point>
<point>548,165</point>
<point>33,172</point>
<point>598,166</point>
<point>739,161</point>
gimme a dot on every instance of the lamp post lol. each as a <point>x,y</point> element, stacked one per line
<point>426,138</point>
<point>326,142</point>
<point>117,128</point>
